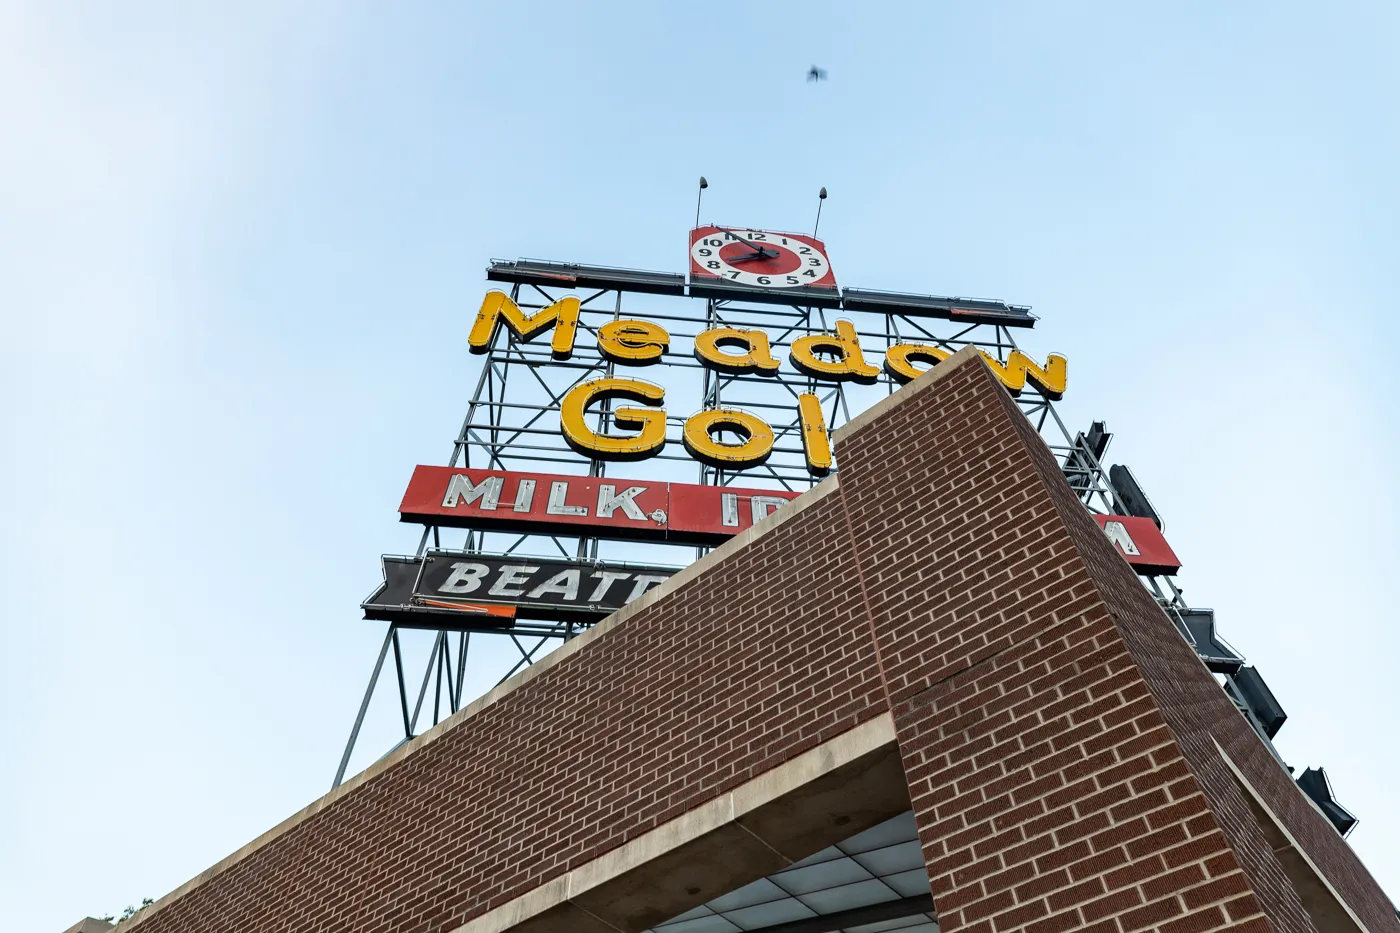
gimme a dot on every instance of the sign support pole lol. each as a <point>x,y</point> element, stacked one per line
<point>364,705</point>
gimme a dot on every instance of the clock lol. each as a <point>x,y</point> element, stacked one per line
<point>759,258</point>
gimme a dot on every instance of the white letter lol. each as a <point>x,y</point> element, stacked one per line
<point>729,509</point>
<point>565,583</point>
<point>512,575</point>
<point>466,578</point>
<point>762,505</point>
<point>609,499</point>
<point>643,581</point>
<point>1118,534</point>
<point>557,493</point>
<point>606,579</point>
<point>488,491</point>
<point>524,495</point>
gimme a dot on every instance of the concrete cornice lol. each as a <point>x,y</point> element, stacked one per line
<point>570,899</point>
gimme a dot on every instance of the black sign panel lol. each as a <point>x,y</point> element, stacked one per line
<point>481,592</point>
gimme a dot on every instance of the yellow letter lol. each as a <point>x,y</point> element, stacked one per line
<point>1019,368</point>
<point>757,445</point>
<point>650,422</point>
<point>635,343</point>
<point>815,444</point>
<point>849,362</point>
<point>563,314</point>
<point>899,360</point>
<point>709,350</point>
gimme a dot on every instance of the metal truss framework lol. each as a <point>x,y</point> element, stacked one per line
<point>512,424</point>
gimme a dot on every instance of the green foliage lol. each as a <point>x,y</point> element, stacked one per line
<point>129,912</point>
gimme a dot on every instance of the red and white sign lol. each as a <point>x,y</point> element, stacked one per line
<point>544,503</point>
<point>1140,541</point>
<point>759,258</point>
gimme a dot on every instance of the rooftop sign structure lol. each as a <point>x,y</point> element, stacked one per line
<point>713,394</point>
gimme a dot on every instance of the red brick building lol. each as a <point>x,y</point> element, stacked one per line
<point>938,641</point>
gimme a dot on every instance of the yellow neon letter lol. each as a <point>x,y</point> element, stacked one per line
<point>634,343</point>
<point>563,314</point>
<point>899,360</point>
<point>815,444</point>
<point>649,422</point>
<point>1019,368</point>
<point>757,445</point>
<point>758,356</point>
<point>845,346</point>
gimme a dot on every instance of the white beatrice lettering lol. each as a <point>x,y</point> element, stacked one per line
<point>511,580</point>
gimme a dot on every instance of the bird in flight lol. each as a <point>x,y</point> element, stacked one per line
<point>816,74</point>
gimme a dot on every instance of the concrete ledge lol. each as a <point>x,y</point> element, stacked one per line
<point>878,410</point>
<point>831,792</point>
<point>90,925</point>
<point>823,489</point>
<point>1319,898</point>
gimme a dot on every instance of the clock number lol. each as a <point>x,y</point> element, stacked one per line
<point>814,261</point>
<point>712,264</point>
<point>784,239</point>
<point>811,272</point>
<point>705,252</point>
<point>734,274</point>
<point>764,280</point>
<point>714,242</point>
<point>804,250</point>
<point>793,280</point>
<point>758,236</point>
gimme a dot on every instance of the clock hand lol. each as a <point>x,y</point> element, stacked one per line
<point>749,258</point>
<point>759,251</point>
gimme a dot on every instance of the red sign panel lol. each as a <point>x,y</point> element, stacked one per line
<point>545,503</point>
<point>1140,541</point>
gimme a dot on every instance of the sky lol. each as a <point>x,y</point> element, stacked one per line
<point>241,244</point>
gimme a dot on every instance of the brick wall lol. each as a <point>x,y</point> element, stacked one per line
<point>738,670</point>
<point>950,577</point>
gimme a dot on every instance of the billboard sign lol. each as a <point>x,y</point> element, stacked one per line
<point>451,590</point>
<point>603,507</point>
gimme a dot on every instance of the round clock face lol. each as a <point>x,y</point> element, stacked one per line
<point>757,258</point>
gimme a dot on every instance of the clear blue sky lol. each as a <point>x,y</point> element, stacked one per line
<point>240,245</point>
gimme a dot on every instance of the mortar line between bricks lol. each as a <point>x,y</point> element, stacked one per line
<point>1140,886</point>
<point>1077,617</point>
<point>1221,902</point>
<point>1177,896</point>
<point>865,599</point>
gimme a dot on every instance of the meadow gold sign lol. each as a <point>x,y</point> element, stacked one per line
<point>834,356</point>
